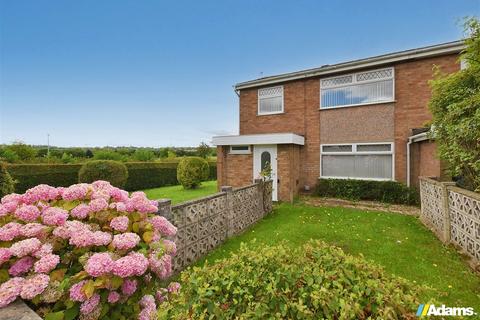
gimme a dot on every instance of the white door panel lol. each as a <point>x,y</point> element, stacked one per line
<point>261,155</point>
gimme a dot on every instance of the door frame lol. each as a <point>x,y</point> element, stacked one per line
<point>257,151</point>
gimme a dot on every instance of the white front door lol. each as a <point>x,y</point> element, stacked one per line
<point>262,156</point>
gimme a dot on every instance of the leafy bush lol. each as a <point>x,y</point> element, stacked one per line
<point>455,106</point>
<point>203,150</point>
<point>23,151</point>
<point>7,184</point>
<point>107,155</point>
<point>385,191</point>
<point>146,175</point>
<point>316,281</point>
<point>88,249</point>
<point>143,155</point>
<point>67,158</point>
<point>191,171</point>
<point>112,171</point>
<point>9,156</point>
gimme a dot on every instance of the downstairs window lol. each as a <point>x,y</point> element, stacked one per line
<point>367,161</point>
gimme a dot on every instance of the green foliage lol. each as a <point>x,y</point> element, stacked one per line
<point>315,281</point>
<point>7,184</point>
<point>144,155</point>
<point>203,150</point>
<point>107,155</point>
<point>89,153</point>
<point>67,158</point>
<point>145,175</point>
<point>191,171</point>
<point>384,191</point>
<point>23,151</point>
<point>112,171</point>
<point>56,175</point>
<point>9,156</point>
<point>455,105</point>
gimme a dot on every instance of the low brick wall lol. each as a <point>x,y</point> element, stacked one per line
<point>453,214</point>
<point>205,223</point>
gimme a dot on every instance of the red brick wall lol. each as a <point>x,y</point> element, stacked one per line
<point>424,161</point>
<point>288,167</point>
<point>234,170</point>
<point>412,94</point>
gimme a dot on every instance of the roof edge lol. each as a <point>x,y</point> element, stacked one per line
<point>423,52</point>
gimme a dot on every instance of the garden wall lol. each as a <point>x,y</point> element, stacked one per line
<point>205,223</point>
<point>453,214</point>
<point>141,175</point>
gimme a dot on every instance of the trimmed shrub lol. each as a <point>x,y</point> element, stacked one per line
<point>112,171</point>
<point>141,175</point>
<point>85,252</point>
<point>191,171</point>
<point>384,191</point>
<point>7,184</point>
<point>146,175</point>
<point>30,175</point>
<point>316,281</point>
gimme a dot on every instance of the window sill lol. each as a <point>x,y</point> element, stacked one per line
<point>358,105</point>
<point>356,178</point>
<point>270,114</point>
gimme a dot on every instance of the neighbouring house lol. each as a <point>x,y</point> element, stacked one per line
<point>360,119</point>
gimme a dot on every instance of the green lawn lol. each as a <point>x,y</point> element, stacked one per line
<point>400,243</point>
<point>177,194</point>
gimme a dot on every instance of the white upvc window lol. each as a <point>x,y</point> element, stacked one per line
<point>270,100</point>
<point>364,161</point>
<point>242,149</point>
<point>361,88</point>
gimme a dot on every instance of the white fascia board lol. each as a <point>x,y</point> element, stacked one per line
<point>255,139</point>
<point>431,51</point>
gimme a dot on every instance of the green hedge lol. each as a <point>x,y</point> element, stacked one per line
<point>384,191</point>
<point>141,175</point>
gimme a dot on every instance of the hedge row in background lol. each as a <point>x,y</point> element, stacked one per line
<point>141,175</point>
<point>384,191</point>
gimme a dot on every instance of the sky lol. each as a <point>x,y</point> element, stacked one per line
<point>161,73</point>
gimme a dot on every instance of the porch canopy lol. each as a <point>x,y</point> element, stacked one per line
<point>268,138</point>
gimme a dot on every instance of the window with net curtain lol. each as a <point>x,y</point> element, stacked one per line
<point>375,86</point>
<point>270,100</point>
<point>357,161</point>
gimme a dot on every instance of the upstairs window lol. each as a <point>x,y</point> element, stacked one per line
<point>270,100</point>
<point>375,86</point>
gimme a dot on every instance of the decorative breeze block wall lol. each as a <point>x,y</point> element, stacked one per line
<point>205,223</point>
<point>453,214</point>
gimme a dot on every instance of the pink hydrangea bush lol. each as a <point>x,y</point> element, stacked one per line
<point>84,247</point>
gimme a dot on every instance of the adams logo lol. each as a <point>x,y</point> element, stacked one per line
<point>431,310</point>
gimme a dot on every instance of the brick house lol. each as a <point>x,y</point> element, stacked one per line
<point>358,119</point>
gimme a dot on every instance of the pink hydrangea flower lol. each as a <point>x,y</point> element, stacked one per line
<point>162,225</point>
<point>3,210</point>
<point>46,263</point>
<point>121,207</point>
<point>42,192</point>
<point>134,264</point>
<point>32,229</point>
<point>75,192</point>
<point>54,216</point>
<point>76,293</point>
<point>113,297</point>
<point>120,223</point>
<point>170,247</point>
<point>97,205</point>
<point>162,266</point>
<point>45,250</point>
<point>125,241</point>
<point>139,201</point>
<point>149,309</point>
<point>5,255</point>
<point>25,247</point>
<point>129,287</point>
<point>99,264</point>
<point>101,238</point>
<point>27,213</point>
<point>13,198</point>
<point>90,304</point>
<point>10,290</point>
<point>34,286</point>
<point>10,231</point>
<point>21,266</point>
<point>81,211</point>
<point>118,195</point>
